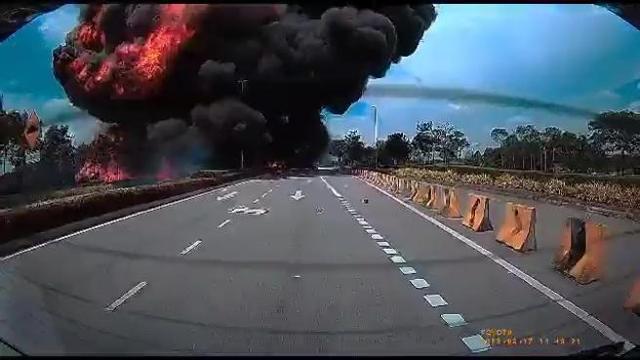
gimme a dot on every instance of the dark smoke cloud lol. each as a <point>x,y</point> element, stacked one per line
<point>230,78</point>
<point>413,91</point>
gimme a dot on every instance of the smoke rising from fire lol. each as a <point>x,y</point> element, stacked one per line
<point>180,79</point>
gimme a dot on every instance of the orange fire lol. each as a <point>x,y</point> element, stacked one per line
<point>166,172</point>
<point>146,63</point>
<point>109,173</point>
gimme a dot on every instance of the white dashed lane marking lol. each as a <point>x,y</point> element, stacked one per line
<point>191,247</point>
<point>419,283</point>
<point>407,270</point>
<point>435,300</point>
<point>476,343</point>
<point>224,223</point>
<point>512,269</point>
<point>117,221</point>
<point>453,320</point>
<point>127,295</point>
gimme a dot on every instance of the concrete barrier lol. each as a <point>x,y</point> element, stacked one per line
<point>590,266</point>
<point>518,229</point>
<point>572,245</point>
<point>633,300</point>
<point>451,208</point>
<point>477,215</point>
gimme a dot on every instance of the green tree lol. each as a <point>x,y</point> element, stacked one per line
<point>397,147</point>
<point>423,142</point>
<point>617,133</point>
<point>338,148</point>
<point>354,147</point>
<point>57,153</point>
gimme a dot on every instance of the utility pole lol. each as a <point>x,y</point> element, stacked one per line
<point>241,159</point>
<point>375,131</point>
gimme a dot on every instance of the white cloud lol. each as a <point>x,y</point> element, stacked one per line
<point>54,26</point>
<point>455,106</point>
<point>59,110</point>
<point>634,106</point>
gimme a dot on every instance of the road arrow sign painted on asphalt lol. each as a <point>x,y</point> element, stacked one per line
<point>227,196</point>
<point>297,196</point>
<point>247,211</point>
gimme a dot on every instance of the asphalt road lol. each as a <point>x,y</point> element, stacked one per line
<point>294,266</point>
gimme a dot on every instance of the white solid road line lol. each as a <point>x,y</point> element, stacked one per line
<point>224,223</point>
<point>114,221</point>
<point>571,307</point>
<point>127,295</point>
<point>191,247</point>
<point>337,194</point>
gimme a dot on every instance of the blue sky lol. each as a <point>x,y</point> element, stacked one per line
<point>580,55</point>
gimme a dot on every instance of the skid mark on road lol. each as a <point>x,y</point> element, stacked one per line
<point>475,343</point>
<point>580,313</point>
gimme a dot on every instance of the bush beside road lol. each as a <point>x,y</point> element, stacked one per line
<point>33,218</point>
<point>613,197</point>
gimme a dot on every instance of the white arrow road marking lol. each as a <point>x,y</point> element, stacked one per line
<point>191,247</point>
<point>127,295</point>
<point>245,210</point>
<point>255,211</point>
<point>297,196</point>
<point>238,210</point>
<point>227,196</point>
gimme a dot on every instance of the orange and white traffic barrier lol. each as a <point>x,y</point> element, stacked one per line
<point>633,300</point>
<point>422,196</point>
<point>437,201</point>
<point>591,265</point>
<point>477,215</point>
<point>518,229</point>
<point>433,195</point>
<point>451,208</point>
<point>413,186</point>
<point>572,245</point>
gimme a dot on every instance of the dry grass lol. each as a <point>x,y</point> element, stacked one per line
<point>594,192</point>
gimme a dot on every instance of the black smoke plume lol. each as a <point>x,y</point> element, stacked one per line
<point>226,78</point>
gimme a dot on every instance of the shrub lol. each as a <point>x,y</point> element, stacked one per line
<point>618,193</point>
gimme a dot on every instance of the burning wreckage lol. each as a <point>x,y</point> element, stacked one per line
<point>186,85</point>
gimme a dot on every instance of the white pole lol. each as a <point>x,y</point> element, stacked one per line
<point>375,132</point>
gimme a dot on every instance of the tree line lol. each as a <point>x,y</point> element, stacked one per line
<point>612,145</point>
<point>431,143</point>
<point>53,163</point>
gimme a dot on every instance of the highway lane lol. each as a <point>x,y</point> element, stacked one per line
<point>306,277</point>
